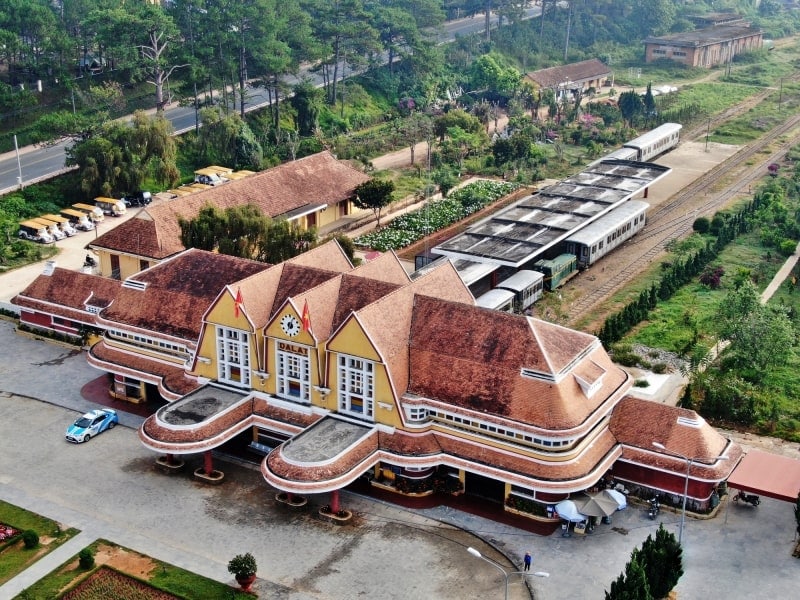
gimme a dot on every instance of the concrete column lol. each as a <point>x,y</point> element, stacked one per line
<point>208,463</point>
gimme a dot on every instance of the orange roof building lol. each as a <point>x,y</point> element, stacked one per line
<point>339,373</point>
<point>313,191</point>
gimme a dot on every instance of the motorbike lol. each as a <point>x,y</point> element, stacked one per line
<point>751,499</point>
<point>654,508</point>
<point>89,261</point>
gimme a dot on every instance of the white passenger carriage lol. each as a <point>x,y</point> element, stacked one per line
<point>528,287</point>
<point>655,142</point>
<point>621,154</point>
<point>497,299</point>
<point>601,237</point>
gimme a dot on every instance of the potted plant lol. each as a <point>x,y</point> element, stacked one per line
<point>243,567</point>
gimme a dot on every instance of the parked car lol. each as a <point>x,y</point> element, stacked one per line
<point>138,199</point>
<point>91,424</point>
<point>63,223</point>
<point>35,232</point>
<point>79,219</point>
<point>52,228</point>
<point>110,206</point>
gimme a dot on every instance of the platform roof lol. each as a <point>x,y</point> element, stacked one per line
<point>526,230</point>
<point>767,474</point>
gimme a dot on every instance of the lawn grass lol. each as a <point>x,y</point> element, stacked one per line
<point>689,317</point>
<point>15,558</point>
<point>163,576</point>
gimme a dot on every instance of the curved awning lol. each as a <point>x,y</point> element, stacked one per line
<point>770,475</point>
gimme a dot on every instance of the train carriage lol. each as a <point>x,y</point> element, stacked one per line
<point>602,236</point>
<point>497,299</point>
<point>655,141</point>
<point>527,287</point>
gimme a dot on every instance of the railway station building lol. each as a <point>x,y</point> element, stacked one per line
<point>314,191</point>
<point>338,374</point>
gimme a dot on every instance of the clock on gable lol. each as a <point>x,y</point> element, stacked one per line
<point>290,325</point>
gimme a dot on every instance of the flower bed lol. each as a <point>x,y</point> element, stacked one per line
<point>461,203</point>
<point>108,584</point>
<point>7,532</point>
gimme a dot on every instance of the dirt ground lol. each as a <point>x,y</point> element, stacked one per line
<point>123,560</point>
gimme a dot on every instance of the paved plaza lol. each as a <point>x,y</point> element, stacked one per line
<point>109,488</point>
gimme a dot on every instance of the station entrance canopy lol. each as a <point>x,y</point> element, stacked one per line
<point>767,474</point>
<point>524,231</point>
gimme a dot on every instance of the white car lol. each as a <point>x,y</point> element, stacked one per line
<point>91,424</point>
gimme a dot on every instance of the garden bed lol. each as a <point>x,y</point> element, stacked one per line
<point>436,215</point>
<point>106,583</point>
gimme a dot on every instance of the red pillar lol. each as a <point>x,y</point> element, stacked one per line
<point>646,190</point>
<point>170,459</point>
<point>208,464</point>
<point>335,501</point>
<point>289,497</point>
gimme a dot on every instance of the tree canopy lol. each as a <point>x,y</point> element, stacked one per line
<point>119,158</point>
<point>246,232</point>
<point>374,194</point>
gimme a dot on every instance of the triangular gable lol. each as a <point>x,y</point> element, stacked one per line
<point>560,346</point>
<point>289,318</point>
<point>386,267</point>
<point>328,256</point>
<point>351,335</point>
<point>388,320</point>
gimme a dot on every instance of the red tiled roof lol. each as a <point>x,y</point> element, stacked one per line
<point>171,379</point>
<point>66,293</point>
<point>319,178</point>
<point>138,236</point>
<point>637,423</point>
<point>485,351</point>
<point>177,293</point>
<point>585,70</point>
<point>71,289</point>
<point>387,320</point>
<point>328,256</point>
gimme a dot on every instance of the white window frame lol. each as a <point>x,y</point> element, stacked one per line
<point>356,377</point>
<point>233,356</point>
<point>293,370</point>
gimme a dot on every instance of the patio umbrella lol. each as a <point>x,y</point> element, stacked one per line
<point>597,505</point>
<point>619,497</point>
<point>568,511</point>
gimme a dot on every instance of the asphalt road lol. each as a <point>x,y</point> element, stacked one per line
<point>33,164</point>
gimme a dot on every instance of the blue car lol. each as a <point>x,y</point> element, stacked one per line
<point>91,424</point>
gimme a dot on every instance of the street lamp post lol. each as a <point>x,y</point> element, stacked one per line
<point>506,574</point>
<point>689,462</point>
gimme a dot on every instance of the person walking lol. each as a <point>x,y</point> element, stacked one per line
<point>527,561</point>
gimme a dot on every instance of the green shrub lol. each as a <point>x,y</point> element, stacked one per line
<point>30,538</point>
<point>787,247</point>
<point>659,368</point>
<point>701,225</point>
<point>86,558</point>
<point>641,383</point>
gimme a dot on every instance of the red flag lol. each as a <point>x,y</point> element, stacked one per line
<point>237,303</point>
<point>306,318</point>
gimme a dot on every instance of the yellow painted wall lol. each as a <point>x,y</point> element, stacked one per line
<point>352,340</point>
<point>274,335</point>
<point>128,265</point>
<point>222,313</point>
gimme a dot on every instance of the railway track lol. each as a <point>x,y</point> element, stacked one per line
<point>673,219</point>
